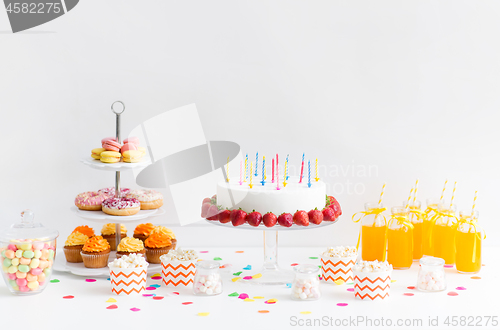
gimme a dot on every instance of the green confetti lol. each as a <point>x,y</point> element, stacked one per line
<point>319,266</point>
<point>234,294</point>
<point>237,273</point>
<point>54,281</point>
<point>350,283</point>
<point>313,257</point>
<point>217,258</point>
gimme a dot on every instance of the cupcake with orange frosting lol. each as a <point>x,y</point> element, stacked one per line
<point>157,244</point>
<point>108,232</point>
<point>130,245</point>
<point>86,230</point>
<point>73,246</point>
<point>95,252</point>
<point>143,231</point>
<point>168,232</point>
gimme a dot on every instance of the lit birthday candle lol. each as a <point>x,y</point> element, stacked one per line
<point>316,178</point>
<point>227,170</point>
<point>246,169</point>
<point>263,170</point>
<point>256,163</point>
<point>286,167</point>
<point>302,169</point>
<point>241,172</point>
<point>251,185</point>
<point>277,173</point>
<point>273,170</point>
<point>309,181</point>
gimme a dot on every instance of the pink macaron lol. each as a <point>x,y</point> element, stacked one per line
<point>108,139</point>
<point>128,146</point>
<point>132,139</point>
<point>111,145</point>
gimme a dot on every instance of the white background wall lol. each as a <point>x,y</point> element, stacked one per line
<point>409,88</point>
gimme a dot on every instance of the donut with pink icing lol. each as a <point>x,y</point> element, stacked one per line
<point>90,201</point>
<point>110,192</point>
<point>121,206</point>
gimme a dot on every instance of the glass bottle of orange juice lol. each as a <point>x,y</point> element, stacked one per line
<point>428,223</point>
<point>373,230</point>
<point>416,217</point>
<point>468,239</point>
<point>400,239</point>
<point>443,234</point>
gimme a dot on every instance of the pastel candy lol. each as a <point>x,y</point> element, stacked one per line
<point>25,246</point>
<point>3,253</point>
<point>51,254</point>
<point>46,246</point>
<point>22,268</point>
<point>31,277</point>
<point>11,276</point>
<point>24,261</point>
<point>38,254</point>
<point>43,264</point>
<point>33,285</point>
<point>19,274</point>
<point>19,253</point>
<point>34,263</point>
<point>46,271</point>
<point>24,289</point>
<point>21,282</point>
<point>12,269</point>
<point>28,254</point>
<point>38,245</point>
<point>45,254</point>
<point>15,261</point>
<point>12,247</point>
<point>41,278</point>
<point>7,262</point>
<point>10,254</point>
<point>36,271</point>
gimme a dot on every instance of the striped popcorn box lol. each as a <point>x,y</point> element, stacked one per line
<point>177,272</point>
<point>337,268</point>
<point>126,281</point>
<point>372,285</point>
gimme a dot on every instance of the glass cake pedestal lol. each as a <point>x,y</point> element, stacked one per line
<point>272,273</point>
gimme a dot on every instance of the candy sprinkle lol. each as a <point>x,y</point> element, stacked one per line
<point>411,287</point>
<point>305,312</point>
<point>175,292</point>
<point>247,277</point>
<point>217,258</point>
<point>350,289</point>
<point>342,304</point>
<point>476,277</point>
<point>239,251</point>
<point>339,282</point>
<point>236,279</point>
<point>313,257</point>
<point>257,275</point>
<point>90,280</point>
<point>243,296</point>
<point>150,288</point>
<point>452,293</point>
<point>271,301</point>
<point>54,281</point>
<point>248,299</point>
<point>289,285</point>
<point>111,300</point>
<point>461,288</point>
<point>203,314</point>
<point>155,285</point>
<point>154,275</point>
<point>158,298</point>
<point>133,309</point>
<point>258,297</point>
<point>237,273</point>
<point>147,295</point>
<point>112,307</point>
<point>408,294</point>
<point>392,281</point>
<point>156,278</point>
<point>263,311</point>
<point>68,297</point>
<point>352,283</point>
<point>294,264</point>
<point>203,251</point>
<point>448,266</point>
<point>187,303</point>
<point>247,267</point>
<point>234,294</point>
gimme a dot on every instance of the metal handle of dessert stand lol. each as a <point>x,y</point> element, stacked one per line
<point>117,175</point>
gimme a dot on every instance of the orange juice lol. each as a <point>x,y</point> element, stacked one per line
<point>432,206</point>
<point>373,243</point>
<point>443,241</point>
<point>468,242</point>
<point>400,239</point>
<point>416,217</point>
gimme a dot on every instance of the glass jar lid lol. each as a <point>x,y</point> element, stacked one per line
<point>207,264</point>
<point>307,269</point>
<point>26,228</point>
<point>432,261</point>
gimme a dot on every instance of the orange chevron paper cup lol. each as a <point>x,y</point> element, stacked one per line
<point>372,286</point>
<point>178,273</point>
<point>335,268</point>
<point>126,281</point>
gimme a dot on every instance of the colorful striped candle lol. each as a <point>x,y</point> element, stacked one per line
<point>286,168</point>
<point>309,181</point>
<point>251,185</point>
<point>246,169</point>
<point>285,172</point>
<point>316,178</point>
<point>302,169</point>
<point>273,170</point>
<point>256,163</point>
<point>277,173</point>
<point>263,170</point>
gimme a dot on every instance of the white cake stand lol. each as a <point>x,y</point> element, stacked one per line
<point>272,273</point>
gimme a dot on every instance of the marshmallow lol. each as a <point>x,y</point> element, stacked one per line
<point>303,289</point>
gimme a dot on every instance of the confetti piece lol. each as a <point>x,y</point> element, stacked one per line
<point>217,258</point>
<point>448,266</point>
<point>154,275</point>
<point>411,287</point>
<point>147,295</point>
<point>258,297</point>
<point>237,273</point>
<point>461,288</point>
<point>293,265</point>
<point>234,294</point>
<point>248,299</point>
<point>187,303</point>
<point>305,312</point>
<point>155,285</point>
<point>176,293</point>
<point>259,275</point>
<point>342,304</point>
<point>350,289</point>
<point>158,298</point>
<point>319,266</point>
<point>352,283</point>
<point>108,279</point>
<point>203,314</point>
<point>68,297</point>
<point>289,285</point>
<point>243,296</point>
<point>239,251</point>
<point>408,294</point>
<point>203,251</point>
<point>271,301</point>
<point>236,279</point>
<point>263,311</point>
<point>476,277</point>
<point>54,281</point>
<point>452,293</point>
<point>150,288</point>
<point>225,266</point>
<point>339,282</point>
<point>111,300</point>
<point>90,280</point>
<point>313,257</point>
<point>133,309</point>
<point>392,281</point>
<point>247,267</point>
<point>112,307</point>
<point>483,265</point>
<point>247,277</point>
<point>156,278</point>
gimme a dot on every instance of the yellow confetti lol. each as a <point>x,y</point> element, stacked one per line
<point>392,281</point>
<point>248,299</point>
<point>111,300</point>
<point>339,282</point>
<point>258,297</point>
<point>272,300</point>
<point>199,260</point>
<point>236,279</point>
<point>305,312</point>
<point>257,275</point>
<point>203,314</point>
<point>157,274</point>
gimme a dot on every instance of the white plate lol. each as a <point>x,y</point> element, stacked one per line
<point>120,166</point>
<point>100,216</point>
<point>61,265</point>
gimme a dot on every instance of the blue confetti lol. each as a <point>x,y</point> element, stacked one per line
<point>289,285</point>
<point>247,267</point>
<point>109,279</point>
<point>155,285</point>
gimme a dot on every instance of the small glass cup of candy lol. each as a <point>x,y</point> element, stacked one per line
<point>27,253</point>
<point>468,241</point>
<point>207,280</point>
<point>305,285</point>
<point>431,276</point>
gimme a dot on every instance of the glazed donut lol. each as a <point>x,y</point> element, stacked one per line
<point>150,199</point>
<point>90,201</point>
<point>110,192</point>
<point>121,206</point>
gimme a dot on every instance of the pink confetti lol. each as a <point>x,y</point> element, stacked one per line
<point>448,266</point>
<point>452,293</point>
<point>156,278</point>
<point>350,289</point>
<point>203,251</point>
<point>150,288</point>
<point>147,295</point>
<point>112,307</point>
<point>342,304</point>
<point>90,280</point>
<point>294,265</point>
<point>411,287</point>
<point>187,303</point>
<point>158,298</point>
<point>461,288</point>
<point>135,309</point>
<point>247,277</point>
<point>243,296</point>
<point>408,294</point>
<point>176,293</point>
<point>68,297</point>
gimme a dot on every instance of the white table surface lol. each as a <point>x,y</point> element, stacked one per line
<point>87,310</point>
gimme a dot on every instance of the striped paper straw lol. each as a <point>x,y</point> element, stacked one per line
<point>381,195</point>
<point>474,204</point>
<point>453,194</point>
<point>444,188</point>
<point>408,201</point>
<point>415,192</point>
